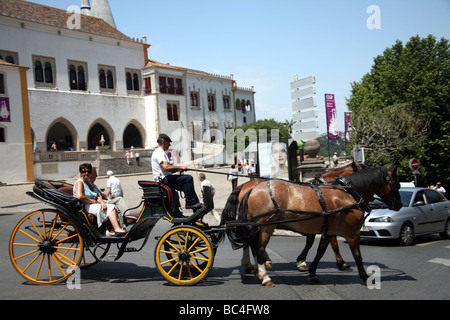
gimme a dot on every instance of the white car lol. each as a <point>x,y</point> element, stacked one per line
<point>425,211</point>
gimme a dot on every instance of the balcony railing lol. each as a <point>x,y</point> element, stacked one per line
<point>66,156</point>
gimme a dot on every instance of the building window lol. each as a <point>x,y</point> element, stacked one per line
<point>172,112</point>
<point>107,76</point>
<point>194,99</point>
<point>102,78</point>
<point>2,135</point>
<point>44,71</point>
<point>179,86</point>
<point>110,79</point>
<point>211,102</point>
<point>226,103</point>
<point>9,56</point>
<point>162,85</point>
<point>136,86</point>
<point>38,72</point>
<point>77,76</point>
<point>132,81</point>
<point>48,72</point>
<point>2,83</point>
<point>148,85</point>
<point>170,85</point>
<point>81,79</point>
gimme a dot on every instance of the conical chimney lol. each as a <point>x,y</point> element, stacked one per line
<point>102,10</point>
<point>85,7</point>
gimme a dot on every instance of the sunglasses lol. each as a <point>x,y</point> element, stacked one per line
<point>85,171</point>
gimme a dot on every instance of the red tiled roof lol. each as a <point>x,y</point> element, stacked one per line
<point>153,63</point>
<point>37,13</point>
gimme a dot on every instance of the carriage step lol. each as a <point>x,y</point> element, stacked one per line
<point>131,250</point>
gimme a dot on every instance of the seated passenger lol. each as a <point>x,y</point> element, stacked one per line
<point>117,201</point>
<point>93,201</point>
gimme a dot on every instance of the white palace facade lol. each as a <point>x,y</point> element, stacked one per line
<point>75,82</point>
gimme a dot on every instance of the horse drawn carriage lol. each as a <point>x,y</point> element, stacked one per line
<point>47,245</point>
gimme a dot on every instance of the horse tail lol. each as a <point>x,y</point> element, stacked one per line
<point>243,208</point>
<point>229,212</point>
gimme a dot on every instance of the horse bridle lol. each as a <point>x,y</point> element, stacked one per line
<point>393,185</point>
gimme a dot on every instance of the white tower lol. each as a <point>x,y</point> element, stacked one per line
<point>102,10</point>
<point>85,7</point>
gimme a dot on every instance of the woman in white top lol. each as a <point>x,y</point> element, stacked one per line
<point>93,202</point>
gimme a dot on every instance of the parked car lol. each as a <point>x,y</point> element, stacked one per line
<point>425,211</point>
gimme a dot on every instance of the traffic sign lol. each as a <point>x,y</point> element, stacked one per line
<point>414,164</point>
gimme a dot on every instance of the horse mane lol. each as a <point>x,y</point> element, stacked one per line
<point>365,179</point>
<point>344,167</point>
<point>229,212</point>
<point>244,207</point>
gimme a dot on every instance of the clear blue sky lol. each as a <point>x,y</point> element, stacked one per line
<point>264,43</point>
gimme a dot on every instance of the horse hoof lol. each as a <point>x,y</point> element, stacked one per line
<point>346,268</point>
<point>269,265</point>
<point>313,280</point>
<point>302,266</point>
<point>269,284</point>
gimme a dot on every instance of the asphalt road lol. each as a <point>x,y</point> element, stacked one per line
<point>417,272</point>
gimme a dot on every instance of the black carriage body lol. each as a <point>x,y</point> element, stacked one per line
<point>87,240</point>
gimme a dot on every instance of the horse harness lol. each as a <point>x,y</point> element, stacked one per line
<point>325,213</point>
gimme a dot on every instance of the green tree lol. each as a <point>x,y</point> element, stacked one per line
<point>267,125</point>
<point>415,77</point>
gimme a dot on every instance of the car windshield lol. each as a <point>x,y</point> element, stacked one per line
<point>406,197</point>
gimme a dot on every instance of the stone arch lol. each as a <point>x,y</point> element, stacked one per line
<point>134,135</point>
<point>63,133</point>
<point>98,129</point>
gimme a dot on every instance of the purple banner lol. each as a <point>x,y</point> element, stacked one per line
<point>332,124</point>
<point>348,126</point>
<point>5,114</point>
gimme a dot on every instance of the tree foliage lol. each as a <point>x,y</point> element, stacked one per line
<point>266,125</point>
<point>401,108</point>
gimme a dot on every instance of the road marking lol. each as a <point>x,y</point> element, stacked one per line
<point>445,262</point>
<point>320,292</point>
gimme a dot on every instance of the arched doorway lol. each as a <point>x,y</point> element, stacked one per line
<point>132,137</point>
<point>60,134</point>
<point>95,137</point>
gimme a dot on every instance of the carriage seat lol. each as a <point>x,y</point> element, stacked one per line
<point>154,193</point>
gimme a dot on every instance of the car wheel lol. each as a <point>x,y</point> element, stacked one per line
<point>446,233</point>
<point>406,235</point>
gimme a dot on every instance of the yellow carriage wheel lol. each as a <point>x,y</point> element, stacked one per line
<point>184,255</point>
<point>45,247</point>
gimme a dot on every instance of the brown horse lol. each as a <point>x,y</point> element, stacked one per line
<point>324,209</point>
<point>230,212</point>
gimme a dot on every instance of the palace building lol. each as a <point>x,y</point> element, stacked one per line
<point>71,84</point>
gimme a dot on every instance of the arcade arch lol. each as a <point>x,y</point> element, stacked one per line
<point>63,133</point>
<point>98,129</point>
<point>133,136</point>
